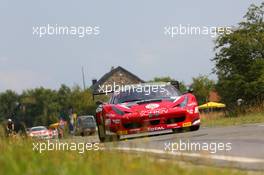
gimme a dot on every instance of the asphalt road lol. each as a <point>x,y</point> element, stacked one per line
<point>237,146</point>
<point>240,146</point>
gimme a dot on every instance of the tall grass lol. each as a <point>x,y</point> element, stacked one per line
<point>17,157</point>
<point>252,115</point>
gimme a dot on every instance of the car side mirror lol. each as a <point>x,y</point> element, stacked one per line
<point>98,103</point>
<point>190,90</point>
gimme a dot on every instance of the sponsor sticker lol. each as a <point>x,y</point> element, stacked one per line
<point>154,112</point>
<point>187,124</point>
<point>156,128</point>
<point>152,106</point>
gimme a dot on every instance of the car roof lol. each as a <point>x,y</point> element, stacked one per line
<point>85,116</point>
<point>149,84</point>
<point>38,127</point>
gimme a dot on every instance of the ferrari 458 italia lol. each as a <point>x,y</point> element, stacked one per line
<point>134,111</point>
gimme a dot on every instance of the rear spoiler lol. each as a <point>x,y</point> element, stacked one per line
<point>176,84</point>
<point>101,93</point>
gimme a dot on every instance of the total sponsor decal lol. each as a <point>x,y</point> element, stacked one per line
<point>156,128</point>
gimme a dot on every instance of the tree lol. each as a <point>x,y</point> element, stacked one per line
<point>64,100</point>
<point>82,101</point>
<point>39,107</point>
<point>239,59</point>
<point>9,104</point>
<point>202,86</point>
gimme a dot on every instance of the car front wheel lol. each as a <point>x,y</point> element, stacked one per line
<point>103,137</point>
<point>101,133</point>
<point>195,127</point>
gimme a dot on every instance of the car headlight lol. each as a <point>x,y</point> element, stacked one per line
<point>193,111</point>
<point>117,111</point>
<point>116,121</point>
<point>196,110</point>
<point>185,101</point>
<point>112,121</point>
<point>107,122</point>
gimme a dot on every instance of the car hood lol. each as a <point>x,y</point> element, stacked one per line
<point>150,104</point>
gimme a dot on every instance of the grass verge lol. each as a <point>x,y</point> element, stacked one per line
<point>17,157</point>
<point>218,119</point>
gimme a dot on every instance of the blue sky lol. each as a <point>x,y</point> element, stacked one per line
<point>131,35</point>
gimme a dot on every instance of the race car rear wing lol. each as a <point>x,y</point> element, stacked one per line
<point>101,93</point>
<point>176,84</point>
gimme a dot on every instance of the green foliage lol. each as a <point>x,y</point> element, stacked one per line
<point>39,107</point>
<point>42,106</point>
<point>221,119</point>
<point>8,104</point>
<point>240,59</point>
<point>162,79</point>
<point>202,86</point>
<point>82,101</point>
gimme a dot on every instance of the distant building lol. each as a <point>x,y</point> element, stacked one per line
<point>213,96</point>
<point>119,76</point>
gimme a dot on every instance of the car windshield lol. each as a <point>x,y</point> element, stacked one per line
<point>38,128</point>
<point>147,92</point>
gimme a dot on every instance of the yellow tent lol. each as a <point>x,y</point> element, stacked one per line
<point>212,105</point>
<point>54,125</point>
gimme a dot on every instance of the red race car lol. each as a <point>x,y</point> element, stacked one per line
<point>146,108</point>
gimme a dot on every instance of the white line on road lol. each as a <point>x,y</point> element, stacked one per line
<point>197,155</point>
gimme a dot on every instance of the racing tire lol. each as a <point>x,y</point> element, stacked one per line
<point>101,133</point>
<point>194,128</point>
<point>103,137</point>
<point>177,130</point>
